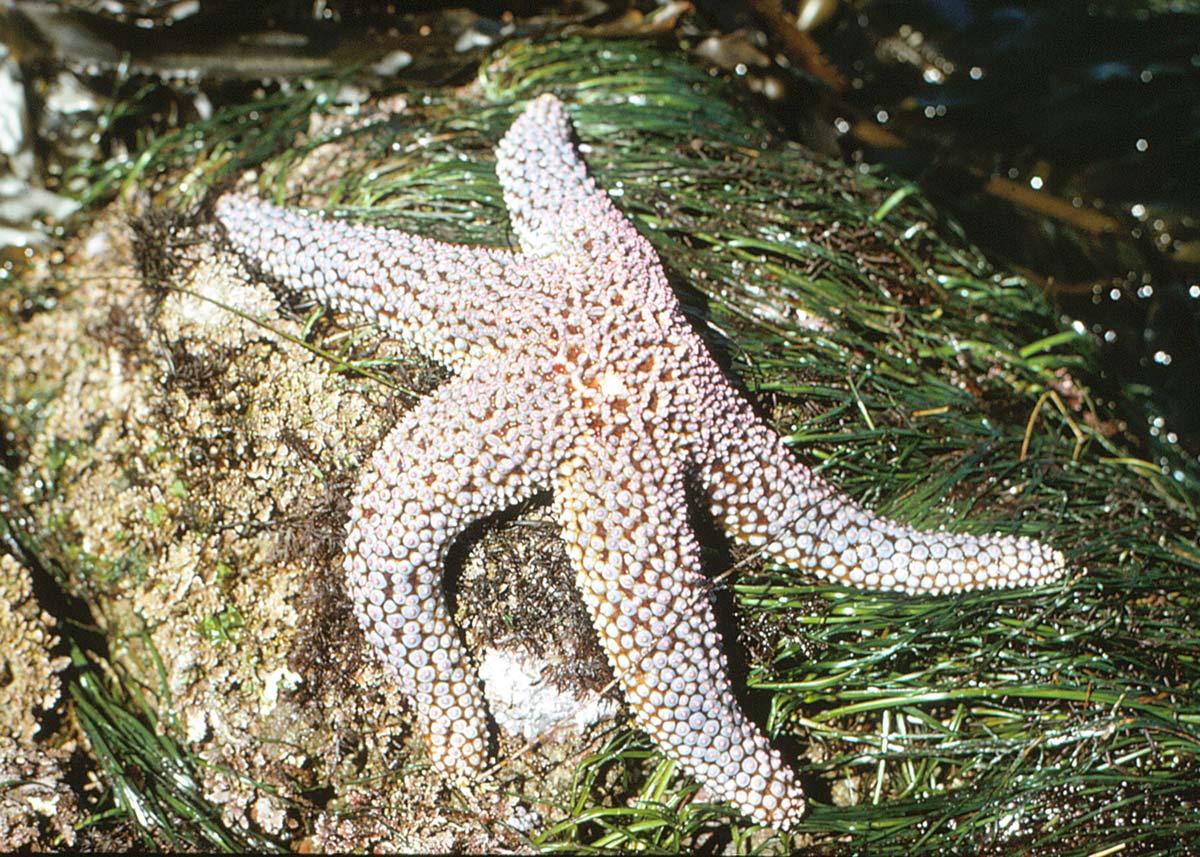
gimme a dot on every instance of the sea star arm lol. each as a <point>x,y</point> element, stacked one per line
<point>476,446</point>
<point>624,521</point>
<point>767,499</point>
<point>451,301</point>
<point>555,207</point>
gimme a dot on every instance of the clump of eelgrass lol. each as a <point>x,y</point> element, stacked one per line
<point>154,779</point>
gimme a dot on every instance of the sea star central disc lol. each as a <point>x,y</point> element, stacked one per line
<point>577,373</point>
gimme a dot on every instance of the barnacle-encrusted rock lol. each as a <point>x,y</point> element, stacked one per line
<point>33,794</point>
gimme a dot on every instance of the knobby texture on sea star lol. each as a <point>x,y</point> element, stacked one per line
<point>577,373</point>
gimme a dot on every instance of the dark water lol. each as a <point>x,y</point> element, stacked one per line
<point>1066,138</point>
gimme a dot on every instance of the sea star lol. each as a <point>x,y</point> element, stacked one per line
<point>578,374</point>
